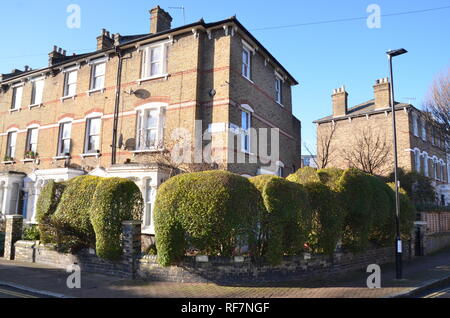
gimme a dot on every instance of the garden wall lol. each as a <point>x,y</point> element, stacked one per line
<point>210,269</point>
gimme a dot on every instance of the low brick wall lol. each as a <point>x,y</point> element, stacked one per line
<point>436,241</point>
<point>29,251</point>
<point>243,270</point>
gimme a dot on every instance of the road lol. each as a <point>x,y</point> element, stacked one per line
<point>438,293</point>
<point>9,292</point>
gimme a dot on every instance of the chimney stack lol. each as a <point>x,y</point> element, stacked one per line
<point>339,99</point>
<point>104,40</point>
<point>56,56</point>
<point>382,93</point>
<point>160,20</point>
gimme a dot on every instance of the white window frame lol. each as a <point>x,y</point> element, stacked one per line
<point>11,143</point>
<point>29,144</point>
<point>16,101</point>
<point>146,69</point>
<point>94,65</point>
<point>279,89</point>
<point>37,91</point>
<point>280,169</point>
<point>245,132</point>
<point>425,164</point>
<point>415,125</point>
<point>246,63</point>
<point>62,140</point>
<point>67,84</point>
<point>141,131</point>
<point>88,135</point>
<point>417,160</point>
<point>149,198</point>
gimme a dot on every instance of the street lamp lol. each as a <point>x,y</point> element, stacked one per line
<point>398,240</point>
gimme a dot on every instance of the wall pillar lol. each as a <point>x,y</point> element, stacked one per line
<point>13,233</point>
<point>131,243</point>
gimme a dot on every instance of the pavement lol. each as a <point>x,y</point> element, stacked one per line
<point>423,276</point>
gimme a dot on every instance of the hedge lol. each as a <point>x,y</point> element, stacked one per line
<point>304,175</point>
<point>46,206</point>
<point>215,212</point>
<point>327,218</point>
<point>115,200</point>
<point>72,216</point>
<point>330,177</point>
<point>355,190</point>
<point>287,221</point>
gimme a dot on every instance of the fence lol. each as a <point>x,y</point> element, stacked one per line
<point>437,222</point>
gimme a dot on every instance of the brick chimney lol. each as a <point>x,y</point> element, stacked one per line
<point>56,56</point>
<point>339,99</point>
<point>160,20</point>
<point>382,93</point>
<point>104,40</point>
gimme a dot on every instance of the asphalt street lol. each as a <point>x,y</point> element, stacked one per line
<point>9,292</point>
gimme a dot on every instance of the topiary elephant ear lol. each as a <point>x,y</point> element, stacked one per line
<point>214,212</point>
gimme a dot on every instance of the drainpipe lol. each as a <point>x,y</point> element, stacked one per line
<point>116,106</point>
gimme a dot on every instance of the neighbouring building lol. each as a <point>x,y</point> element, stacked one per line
<point>309,161</point>
<point>113,112</point>
<point>421,147</point>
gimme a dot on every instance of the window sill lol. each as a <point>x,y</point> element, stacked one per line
<point>154,150</point>
<point>61,157</point>
<point>10,162</point>
<point>97,90</point>
<point>14,110</point>
<point>247,79</point>
<point>279,104</point>
<point>62,99</point>
<point>94,154</point>
<point>145,79</point>
<point>148,230</point>
<point>35,105</point>
<point>28,160</point>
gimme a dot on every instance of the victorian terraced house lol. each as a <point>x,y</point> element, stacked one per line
<point>111,112</point>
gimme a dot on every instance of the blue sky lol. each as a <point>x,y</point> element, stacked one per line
<point>320,56</point>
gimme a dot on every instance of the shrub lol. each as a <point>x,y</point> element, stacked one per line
<point>115,200</point>
<point>327,218</point>
<point>304,175</point>
<point>213,211</point>
<point>355,192</point>
<point>407,212</point>
<point>31,233</point>
<point>418,187</point>
<point>287,221</point>
<point>45,208</point>
<point>382,230</point>
<point>330,177</point>
<point>72,216</point>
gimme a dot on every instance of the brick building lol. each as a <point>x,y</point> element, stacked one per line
<point>420,146</point>
<point>62,121</point>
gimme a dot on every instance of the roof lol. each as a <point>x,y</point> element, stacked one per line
<point>363,109</point>
<point>129,39</point>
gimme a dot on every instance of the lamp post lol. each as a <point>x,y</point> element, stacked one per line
<point>398,240</point>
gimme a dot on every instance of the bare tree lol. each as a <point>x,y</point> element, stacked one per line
<point>368,152</point>
<point>324,149</point>
<point>437,104</point>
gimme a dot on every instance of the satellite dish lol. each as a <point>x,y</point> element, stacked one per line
<point>142,93</point>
